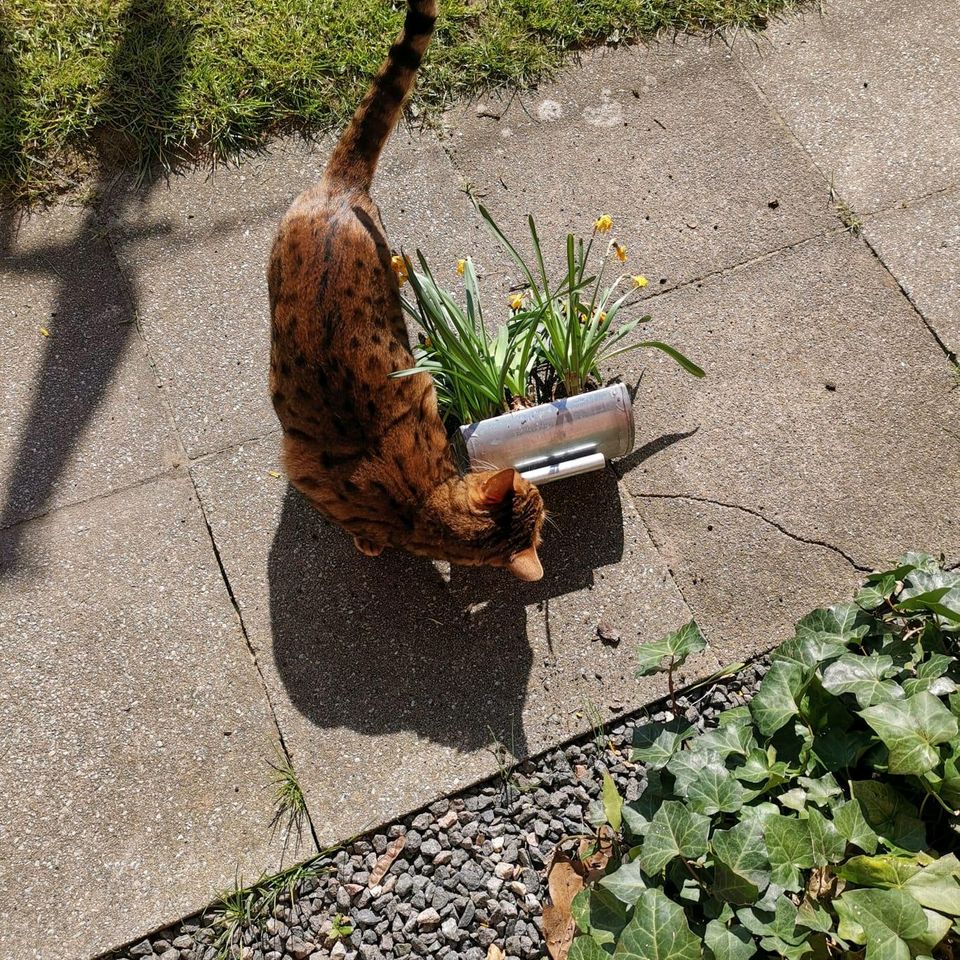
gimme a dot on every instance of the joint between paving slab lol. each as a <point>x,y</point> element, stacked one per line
<point>760,516</point>
<point>947,352</point>
<point>252,652</point>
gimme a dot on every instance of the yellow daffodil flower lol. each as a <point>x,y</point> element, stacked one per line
<point>603,223</point>
<point>639,282</point>
<point>399,267</point>
<point>461,266</point>
<point>516,301</point>
<point>621,251</point>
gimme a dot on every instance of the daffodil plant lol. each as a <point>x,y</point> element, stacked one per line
<point>477,375</point>
<point>565,325</point>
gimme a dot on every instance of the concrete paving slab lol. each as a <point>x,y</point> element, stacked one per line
<point>828,408</point>
<point>392,680</point>
<point>136,734</point>
<point>198,252</point>
<point>745,581</point>
<point>671,141</point>
<point>80,414</point>
<point>919,243</point>
<point>869,89</point>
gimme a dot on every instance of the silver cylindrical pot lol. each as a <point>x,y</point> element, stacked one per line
<point>555,440</point>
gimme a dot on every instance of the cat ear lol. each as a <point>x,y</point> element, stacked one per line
<point>495,489</point>
<point>526,565</point>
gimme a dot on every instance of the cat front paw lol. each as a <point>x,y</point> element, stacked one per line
<point>368,547</point>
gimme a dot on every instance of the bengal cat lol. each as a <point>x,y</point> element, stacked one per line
<point>369,451</point>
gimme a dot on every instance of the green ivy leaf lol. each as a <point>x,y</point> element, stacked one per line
<point>843,622</point>
<point>867,678</point>
<point>763,767</point>
<point>730,738</point>
<point>788,849</point>
<point>937,592</point>
<point>910,729</point>
<point>883,871</point>
<point>600,914</point>
<point>674,831</point>
<point>743,851</point>
<point>876,592</point>
<point>658,930</point>
<point>775,702</point>
<point>849,821</point>
<point>840,749</point>
<point>729,943</point>
<point>937,885</point>
<point>814,917</point>
<point>938,926</point>
<point>715,790</point>
<point>826,843</point>
<point>889,814</point>
<point>612,802</point>
<point>585,948</point>
<point>687,766</point>
<point>882,919</point>
<point>730,886</point>
<point>821,790</point>
<point>659,753</point>
<point>626,883</point>
<point>673,650</point>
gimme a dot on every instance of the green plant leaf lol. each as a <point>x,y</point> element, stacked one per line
<point>814,917</point>
<point>937,885</point>
<point>658,930</point>
<point>687,766</point>
<point>660,752</point>
<point>743,850</point>
<point>763,767</point>
<point>937,591</point>
<point>715,790</point>
<point>674,831</point>
<point>911,730</point>
<point>775,702</point>
<point>789,848</point>
<point>867,678</point>
<point>626,883</point>
<point>882,919</point>
<point>826,842</point>
<point>938,926</point>
<point>599,913</point>
<point>612,802</point>
<point>876,592</point>
<point>675,354</point>
<point>729,943</point>
<point>672,650</point>
<point>849,821</point>
<point>730,886</point>
<point>586,948</point>
<point>891,816</point>
<point>730,738</point>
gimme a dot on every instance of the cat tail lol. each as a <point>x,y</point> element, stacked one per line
<point>355,157</point>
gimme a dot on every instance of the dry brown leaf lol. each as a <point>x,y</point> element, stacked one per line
<point>580,771</point>
<point>381,867</point>
<point>495,953</point>
<point>564,881</point>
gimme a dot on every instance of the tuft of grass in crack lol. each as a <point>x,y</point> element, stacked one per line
<point>846,213</point>
<point>245,909</point>
<point>290,807</point>
<point>154,83</point>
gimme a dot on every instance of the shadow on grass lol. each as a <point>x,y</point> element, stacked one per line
<point>95,311</point>
<point>388,645</point>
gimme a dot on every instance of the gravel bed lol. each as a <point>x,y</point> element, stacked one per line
<point>471,870</point>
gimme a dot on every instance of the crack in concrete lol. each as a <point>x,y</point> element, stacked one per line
<point>760,516</point>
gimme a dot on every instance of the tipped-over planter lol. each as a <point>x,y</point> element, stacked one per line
<point>555,440</point>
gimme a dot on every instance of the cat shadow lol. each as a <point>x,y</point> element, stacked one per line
<point>391,644</point>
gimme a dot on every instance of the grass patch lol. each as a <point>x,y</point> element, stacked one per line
<point>154,83</point>
<point>290,807</point>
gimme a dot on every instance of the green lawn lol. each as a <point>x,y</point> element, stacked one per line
<point>156,81</point>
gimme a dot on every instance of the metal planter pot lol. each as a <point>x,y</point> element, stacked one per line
<point>554,440</point>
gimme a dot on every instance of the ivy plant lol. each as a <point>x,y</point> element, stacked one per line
<point>822,819</point>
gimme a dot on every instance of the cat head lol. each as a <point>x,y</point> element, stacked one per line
<point>513,514</point>
<point>494,518</point>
